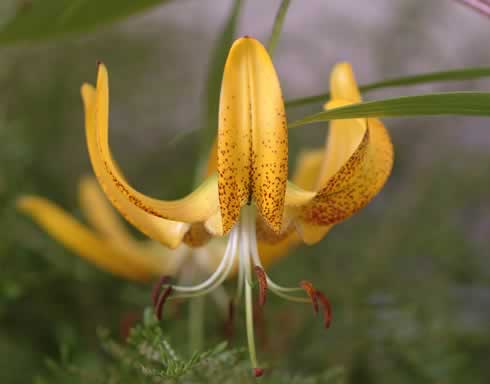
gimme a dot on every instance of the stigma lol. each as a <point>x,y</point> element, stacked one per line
<point>242,256</point>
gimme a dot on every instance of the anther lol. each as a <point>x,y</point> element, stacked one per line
<point>161,301</point>
<point>157,287</point>
<point>317,297</point>
<point>311,292</point>
<point>327,308</point>
<point>262,279</point>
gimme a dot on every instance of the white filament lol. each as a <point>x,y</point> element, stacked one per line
<point>218,276</point>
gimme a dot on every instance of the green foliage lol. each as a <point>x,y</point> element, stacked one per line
<point>422,78</point>
<point>147,356</point>
<point>41,19</point>
<point>434,104</point>
<point>277,26</point>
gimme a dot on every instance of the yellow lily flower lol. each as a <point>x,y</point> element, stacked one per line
<point>246,194</point>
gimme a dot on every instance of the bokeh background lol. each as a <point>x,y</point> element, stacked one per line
<point>409,276</point>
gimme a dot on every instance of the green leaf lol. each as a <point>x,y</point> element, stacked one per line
<point>425,78</point>
<point>450,103</point>
<point>213,85</point>
<point>40,19</point>
<point>277,27</point>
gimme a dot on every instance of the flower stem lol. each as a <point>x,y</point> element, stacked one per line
<point>196,324</point>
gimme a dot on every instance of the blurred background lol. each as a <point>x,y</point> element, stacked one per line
<point>409,276</point>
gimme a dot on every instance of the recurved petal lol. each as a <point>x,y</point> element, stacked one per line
<point>195,207</point>
<point>343,140</point>
<point>165,231</point>
<point>252,136</point>
<point>343,83</point>
<point>356,163</point>
<point>84,242</point>
<point>358,179</point>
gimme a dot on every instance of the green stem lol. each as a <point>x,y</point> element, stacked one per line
<point>277,27</point>
<point>196,324</point>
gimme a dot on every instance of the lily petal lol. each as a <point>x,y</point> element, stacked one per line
<point>358,179</point>
<point>167,232</point>
<point>195,207</point>
<point>343,84</point>
<point>357,162</point>
<point>86,243</point>
<point>252,136</point>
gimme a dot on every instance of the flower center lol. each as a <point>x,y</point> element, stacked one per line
<point>242,251</point>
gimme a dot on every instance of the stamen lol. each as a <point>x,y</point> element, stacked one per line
<point>218,276</point>
<point>327,309</point>
<point>310,290</point>
<point>161,301</point>
<point>316,296</point>
<point>262,279</point>
<point>157,287</point>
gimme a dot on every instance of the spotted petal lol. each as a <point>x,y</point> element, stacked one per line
<point>252,136</point>
<point>357,162</point>
<point>167,232</point>
<point>195,207</point>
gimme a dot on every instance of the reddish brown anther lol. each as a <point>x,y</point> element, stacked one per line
<point>311,292</point>
<point>161,301</point>
<point>317,297</point>
<point>327,308</point>
<point>262,279</point>
<point>157,287</point>
<point>258,372</point>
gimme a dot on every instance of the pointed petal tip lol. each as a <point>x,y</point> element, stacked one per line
<point>87,91</point>
<point>246,41</point>
<point>343,84</point>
